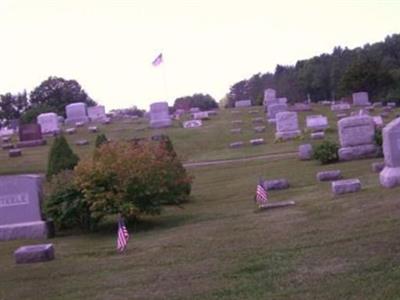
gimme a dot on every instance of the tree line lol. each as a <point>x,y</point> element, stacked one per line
<point>374,68</point>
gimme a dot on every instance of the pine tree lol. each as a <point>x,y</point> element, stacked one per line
<point>61,157</point>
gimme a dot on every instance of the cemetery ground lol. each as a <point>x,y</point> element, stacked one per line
<point>218,246</point>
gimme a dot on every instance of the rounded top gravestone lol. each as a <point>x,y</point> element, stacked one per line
<point>49,122</point>
<point>76,112</point>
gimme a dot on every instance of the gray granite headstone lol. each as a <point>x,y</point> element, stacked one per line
<point>159,115</point>
<point>316,123</point>
<point>30,132</point>
<point>20,208</point>
<point>34,253</point>
<point>346,186</point>
<point>390,175</point>
<point>356,136</point>
<point>361,99</point>
<point>76,112</point>
<point>270,97</point>
<point>48,123</point>
<point>305,152</point>
<point>287,125</point>
<point>273,109</point>
<point>96,113</point>
<point>192,124</point>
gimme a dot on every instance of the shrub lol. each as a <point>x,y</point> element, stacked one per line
<point>100,140</point>
<point>131,179</point>
<point>66,204</point>
<point>378,137</point>
<point>326,152</point>
<point>61,157</point>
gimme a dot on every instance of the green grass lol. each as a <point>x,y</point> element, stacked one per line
<point>219,246</point>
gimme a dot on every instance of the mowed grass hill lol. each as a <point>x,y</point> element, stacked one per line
<point>218,245</point>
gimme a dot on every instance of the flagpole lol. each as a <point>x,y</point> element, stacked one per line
<point>163,66</point>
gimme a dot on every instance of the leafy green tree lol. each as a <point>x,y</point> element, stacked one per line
<point>30,115</point>
<point>204,102</point>
<point>12,106</point>
<point>61,157</point>
<point>57,92</point>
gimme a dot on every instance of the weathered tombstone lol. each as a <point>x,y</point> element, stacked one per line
<point>92,129</point>
<point>356,135</point>
<point>346,186</point>
<point>82,142</point>
<point>192,124</point>
<point>341,116</point>
<point>377,104</point>
<point>30,135</point>
<point>237,122</point>
<point>202,115</point>
<point>340,107</point>
<point>270,97</point>
<point>48,123</point>
<point>329,175</point>
<point>257,120</point>
<point>361,99</point>
<point>7,146</point>
<point>255,142</point>
<point>316,123</point>
<point>20,208</point>
<point>253,112</point>
<point>276,184</point>
<point>273,109</point>
<point>326,103</point>
<point>96,113</point>
<point>378,121</point>
<point>287,125</point>
<point>243,103</point>
<point>159,115</point>
<point>377,167</point>
<point>76,112</point>
<point>71,130</point>
<point>6,139</point>
<point>34,253</point>
<point>319,135</point>
<point>236,130</point>
<point>390,175</point>
<point>14,153</point>
<point>194,109</point>
<point>301,107</point>
<point>236,144</point>
<point>259,129</point>
<point>282,100</point>
<point>305,152</point>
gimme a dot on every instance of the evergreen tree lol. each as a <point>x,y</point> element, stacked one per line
<point>61,157</point>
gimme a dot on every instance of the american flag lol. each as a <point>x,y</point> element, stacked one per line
<point>123,235</point>
<point>261,194</point>
<point>158,60</point>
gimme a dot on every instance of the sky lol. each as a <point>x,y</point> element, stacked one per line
<point>207,45</point>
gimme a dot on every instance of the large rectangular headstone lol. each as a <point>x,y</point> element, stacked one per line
<point>270,97</point>
<point>361,99</point>
<point>287,125</point>
<point>243,103</point>
<point>20,207</point>
<point>390,175</point>
<point>316,122</point>
<point>76,112</point>
<point>273,109</point>
<point>159,115</point>
<point>97,113</point>
<point>30,132</point>
<point>49,123</point>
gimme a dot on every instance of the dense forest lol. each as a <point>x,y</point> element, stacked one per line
<point>374,68</point>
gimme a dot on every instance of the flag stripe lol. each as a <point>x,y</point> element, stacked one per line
<point>123,236</point>
<point>261,195</point>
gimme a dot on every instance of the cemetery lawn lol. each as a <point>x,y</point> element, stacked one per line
<point>218,246</point>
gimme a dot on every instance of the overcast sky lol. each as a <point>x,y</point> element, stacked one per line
<point>208,45</point>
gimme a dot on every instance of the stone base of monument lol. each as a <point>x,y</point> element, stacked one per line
<point>346,186</point>
<point>33,143</point>
<point>29,230</point>
<point>73,121</point>
<point>390,177</point>
<point>34,253</point>
<point>14,153</point>
<point>277,205</point>
<point>377,167</point>
<point>287,135</point>
<point>160,123</point>
<point>357,152</point>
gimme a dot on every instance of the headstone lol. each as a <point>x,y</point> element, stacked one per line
<point>237,122</point>
<point>30,135</point>
<point>7,146</point>
<point>259,129</point>
<point>71,130</point>
<point>92,129</point>
<point>390,175</point>
<point>346,186</point>
<point>48,123</point>
<point>356,135</point>
<point>270,97</point>
<point>212,112</point>
<point>384,114</point>
<point>361,99</point>
<point>96,113</point>
<point>391,104</point>
<point>76,112</point>
<point>326,103</point>
<point>301,107</point>
<point>340,107</point>
<point>20,208</point>
<point>377,104</point>
<point>273,109</point>
<point>14,153</point>
<point>202,115</point>
<point>34,253</point>
<point>329,175</point>
<point>257,120</point>
<point>6,139</point>
<point>236,144</point>
<point>377,167</point>
<point>276,184</point>
<point>192,124</point>
<point>243,103</point>
<point>253,112</point>
<point>287,125</point>
<point>319,135</point>
<point>194,110</point>
<point>282,100</point>
<point>159,115</point>
<point>255,142</point>
<point>316,123</point>
<point>82,142</point>
<point>305,152</point>
<point>341,116</point>
<point>14,124</point>
<point>236,130</point>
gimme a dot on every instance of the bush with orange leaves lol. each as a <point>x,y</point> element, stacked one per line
<point>130,179</point>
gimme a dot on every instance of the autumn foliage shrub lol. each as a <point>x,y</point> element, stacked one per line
<point>131,179</point>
